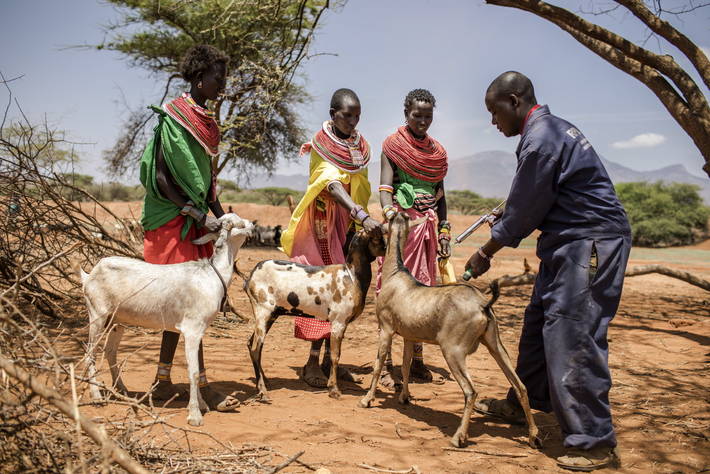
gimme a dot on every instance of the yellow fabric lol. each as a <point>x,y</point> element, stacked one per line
<point>446,270</point>
<point>321,173</point>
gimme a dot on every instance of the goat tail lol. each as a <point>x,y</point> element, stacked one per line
<point>238,272</point>
<point>495,293</point>
<point>78,270</point>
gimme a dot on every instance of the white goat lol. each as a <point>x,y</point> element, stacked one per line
<point>181,297</point>
<point>334,293</point>
<point>454,317</point>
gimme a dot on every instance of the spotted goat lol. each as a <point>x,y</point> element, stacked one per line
<point>334,293</point>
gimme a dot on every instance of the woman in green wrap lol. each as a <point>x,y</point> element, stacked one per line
<point>177,173</point>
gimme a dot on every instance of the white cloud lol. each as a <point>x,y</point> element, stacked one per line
<point>645,140</point>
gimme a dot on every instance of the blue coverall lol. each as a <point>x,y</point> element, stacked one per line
<point>562,189</point>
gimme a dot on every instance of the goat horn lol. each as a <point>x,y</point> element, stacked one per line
<point>206,238</point>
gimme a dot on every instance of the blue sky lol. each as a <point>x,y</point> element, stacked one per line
<point>383,49</point>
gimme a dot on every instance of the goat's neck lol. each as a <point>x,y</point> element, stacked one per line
<point>223,260</point>
<point>393,262</point>
<point>359,265</point>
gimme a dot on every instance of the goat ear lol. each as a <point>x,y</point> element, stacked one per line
<point>206,238</point>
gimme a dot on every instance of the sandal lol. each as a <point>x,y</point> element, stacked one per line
<point>422,374</point>
<point>165,390</point>
<point>586,460</point>
<point>313,376</point>
<point>343,374</point>
<point>501,409</point>
<point>218,401</point>
<point>389,381</point>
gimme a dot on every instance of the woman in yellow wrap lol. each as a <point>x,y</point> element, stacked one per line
<point>334,204</point>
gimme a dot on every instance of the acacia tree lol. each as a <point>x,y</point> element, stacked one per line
<point>672,84</point>
<point>266,42</point>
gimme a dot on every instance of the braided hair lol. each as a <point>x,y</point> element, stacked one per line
<point>199,59</point>
<point>421,95</point>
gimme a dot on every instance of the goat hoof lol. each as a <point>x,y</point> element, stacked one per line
<point>458,440</point>
<point>535,442</point>
<point>334,394</point>
<point>404,400</point>
<point>194,420</point>
<point>365,403</point>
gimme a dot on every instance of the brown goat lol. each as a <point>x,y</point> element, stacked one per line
<point>454,317</point>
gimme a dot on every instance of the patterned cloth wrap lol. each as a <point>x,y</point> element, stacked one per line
<point>318,228</point>
<point>421,166</point>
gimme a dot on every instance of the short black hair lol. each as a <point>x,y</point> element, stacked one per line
<point>336,102</point>
<point>421,95</point>
<point>199,59</point>
<point>513,82</point>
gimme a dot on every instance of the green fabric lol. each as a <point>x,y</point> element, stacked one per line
<point>189,165</point>
<point>408,188</point>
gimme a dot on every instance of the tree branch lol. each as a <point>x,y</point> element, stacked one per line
<point>94,431</point>
<point>691,112</point>
<point>672,35</point>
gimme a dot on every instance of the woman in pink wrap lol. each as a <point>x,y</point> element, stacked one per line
<point>412,181</point>
<point>335,204</point>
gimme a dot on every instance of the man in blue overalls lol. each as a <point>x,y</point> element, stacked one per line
<point>562,189</point>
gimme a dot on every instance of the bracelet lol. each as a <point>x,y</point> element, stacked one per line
<point>359,214</point>
<point>483,255</point>
<point>185,211</point>
<point>444,236</point>
<point>444,230</point>
<point>386,188</point>
<point>388,212</point>
<point>444,225</point>
<point>192,211</point>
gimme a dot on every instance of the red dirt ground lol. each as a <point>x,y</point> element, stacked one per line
<point>659,356</point>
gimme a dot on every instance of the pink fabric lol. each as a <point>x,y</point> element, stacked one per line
<point>306,250</point>
<point>305,241</point>
<point>420,249</point>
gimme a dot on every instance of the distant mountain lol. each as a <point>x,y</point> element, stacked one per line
<point>490,173</point>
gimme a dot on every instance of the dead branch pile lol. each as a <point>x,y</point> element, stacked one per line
<point>46,220</point>
<point>48,422</point>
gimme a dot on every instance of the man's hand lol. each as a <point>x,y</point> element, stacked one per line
<point>210,224</point>
<point>477,265</point>
<point>371,225</point>
<point>444,248</point>
<point>495,215</point>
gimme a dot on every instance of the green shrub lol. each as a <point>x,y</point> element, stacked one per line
<point>468,202</point>
<point>664,215</point>
<point>270,195</point>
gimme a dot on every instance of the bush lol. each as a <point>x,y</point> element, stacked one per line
<point>271,195</point>
<point>468,202</point>
<point>664,215</point>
